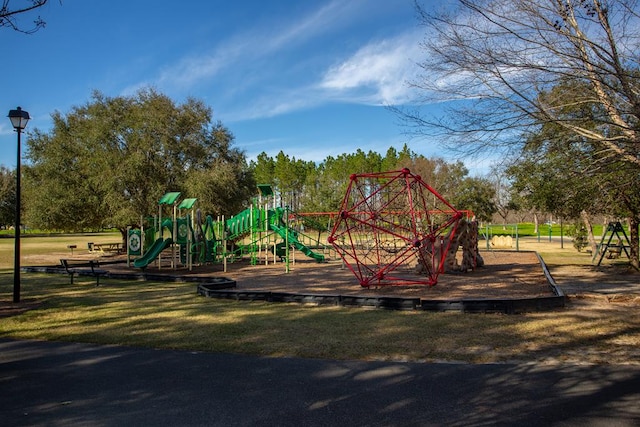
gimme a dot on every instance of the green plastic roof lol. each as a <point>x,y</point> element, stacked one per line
<point>169,198</point>
<point>187,203</point>
<point>265,189</point>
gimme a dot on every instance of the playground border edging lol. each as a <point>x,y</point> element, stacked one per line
<point>506,306</point>
<point>490,305</point>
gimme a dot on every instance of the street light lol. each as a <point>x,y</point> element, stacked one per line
<point>19,121</point>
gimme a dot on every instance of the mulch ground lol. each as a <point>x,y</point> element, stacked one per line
<point>505,275</point>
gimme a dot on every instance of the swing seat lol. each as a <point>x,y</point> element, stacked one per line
<point>614,252</point>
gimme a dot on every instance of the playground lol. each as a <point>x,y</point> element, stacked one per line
<point>506,272</point>
<point>394,237</point>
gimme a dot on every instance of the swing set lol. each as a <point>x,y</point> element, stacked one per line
<point>615,249</point>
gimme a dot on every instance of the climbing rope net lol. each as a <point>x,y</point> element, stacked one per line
<point>393,229</point>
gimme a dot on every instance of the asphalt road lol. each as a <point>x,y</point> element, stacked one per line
<point>51,383</point>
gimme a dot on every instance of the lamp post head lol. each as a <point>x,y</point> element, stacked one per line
<point>19,118</point>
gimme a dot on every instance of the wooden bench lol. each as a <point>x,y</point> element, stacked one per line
<point>83,268</point>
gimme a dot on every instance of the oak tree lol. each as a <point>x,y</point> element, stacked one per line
<point>109,161</point>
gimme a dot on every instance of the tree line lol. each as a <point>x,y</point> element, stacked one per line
<point>107,163</point>
<point>309,187</point>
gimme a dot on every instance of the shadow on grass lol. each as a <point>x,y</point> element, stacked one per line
<point>172,315</point>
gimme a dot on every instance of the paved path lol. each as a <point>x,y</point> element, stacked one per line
<point>49,383</point>
<point>585,281</point>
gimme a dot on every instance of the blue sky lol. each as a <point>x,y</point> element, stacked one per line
<point>311,78</point>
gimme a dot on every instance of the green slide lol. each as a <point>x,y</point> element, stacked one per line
<point>290,235</point>
<point>153,252</point>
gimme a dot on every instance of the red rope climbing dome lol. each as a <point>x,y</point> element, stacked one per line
<point>393,229</point>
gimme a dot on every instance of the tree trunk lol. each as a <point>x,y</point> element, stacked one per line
<point>535,222</point>
<point>634,223</point>
<point>123,235</point>
<point>587,223</point>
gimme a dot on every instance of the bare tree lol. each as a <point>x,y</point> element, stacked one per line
<point>502,199</point>
<point>9,14</point>
<point>503,57</point>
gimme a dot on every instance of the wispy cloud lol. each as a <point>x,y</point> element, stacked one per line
<point>320,21</point>
<point>239,50</point>
<point>377,73</point>
<point>196,68</point>
<point>250,63</point>
<point>288,100</point>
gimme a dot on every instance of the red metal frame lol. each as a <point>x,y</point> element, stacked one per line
<point>389,221</point>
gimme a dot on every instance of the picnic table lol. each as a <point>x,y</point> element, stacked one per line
<point>117,247</point>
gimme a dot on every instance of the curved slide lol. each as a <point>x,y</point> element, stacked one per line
<point>153,252</point>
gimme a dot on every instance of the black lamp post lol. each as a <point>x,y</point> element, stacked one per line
<point>19,121</point>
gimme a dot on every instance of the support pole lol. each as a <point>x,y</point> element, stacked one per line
<point>224,246</point>
<point>174,236</point>
<point>286,224</point>
<point>159,259</point>
<point>128,250</point>
<point>16,259</point>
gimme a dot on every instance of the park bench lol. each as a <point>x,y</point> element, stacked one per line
<point>83,268</point>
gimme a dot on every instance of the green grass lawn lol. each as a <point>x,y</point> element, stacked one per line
<point>527,229</point>
<point>173,316</point>
<point>32,246</point>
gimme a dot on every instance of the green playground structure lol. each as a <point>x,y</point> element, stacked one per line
<point>255,222</point>
<point>192,239</point>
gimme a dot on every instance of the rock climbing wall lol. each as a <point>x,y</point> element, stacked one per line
<point>463,254</point>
